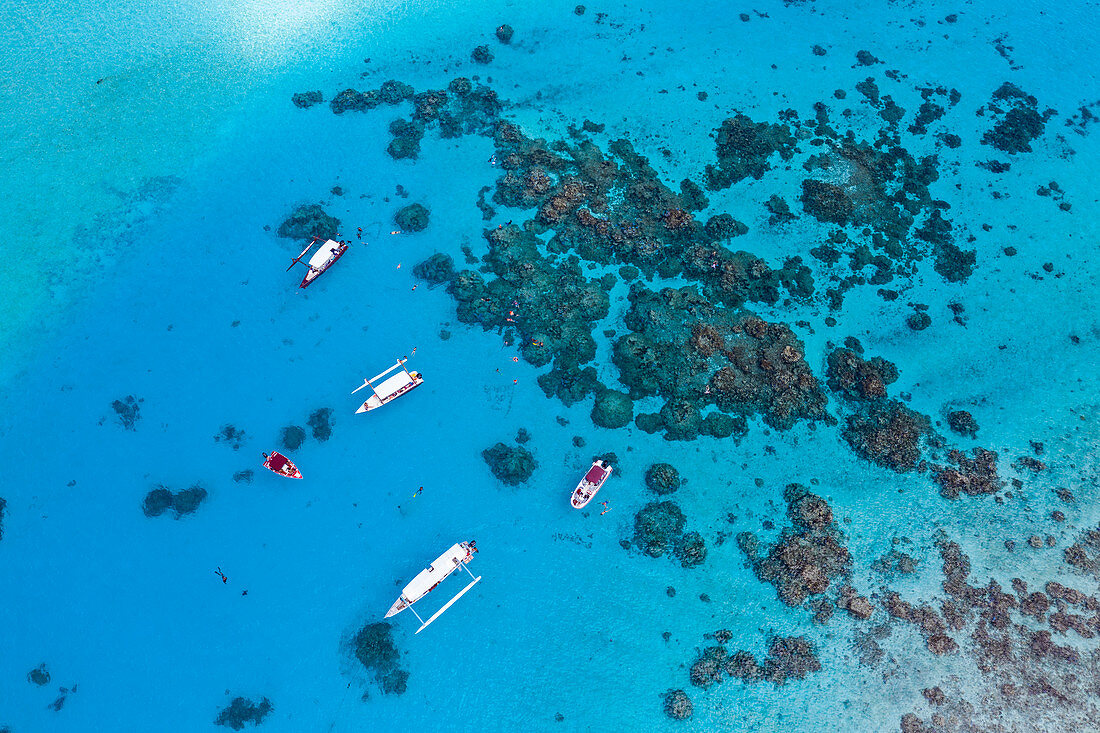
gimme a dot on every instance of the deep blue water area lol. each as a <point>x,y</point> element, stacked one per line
<point>152,338</point>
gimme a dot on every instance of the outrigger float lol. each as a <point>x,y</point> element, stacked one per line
<point>390,389</point>
<point>592,482</point>
<point>428,578</point>
<point>324,258</point>
<point>280,464</point>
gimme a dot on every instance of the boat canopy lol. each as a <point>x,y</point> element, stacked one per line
<point>393,385</point>
<point>276,461</point>
<point>324,253</point>
<point>595,474</point>
<point>443,566</point>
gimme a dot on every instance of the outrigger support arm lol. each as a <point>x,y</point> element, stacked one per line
<point>299,257</point>
<point>417,616</point>
<point>369,382</point>
<point>437,614</point>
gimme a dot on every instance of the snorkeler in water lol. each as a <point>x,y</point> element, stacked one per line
<point>221,575</point>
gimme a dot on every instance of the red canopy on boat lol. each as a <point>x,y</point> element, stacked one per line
<point>595,475</point>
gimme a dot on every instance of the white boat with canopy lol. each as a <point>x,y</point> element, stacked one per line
<point>390,389</point>
<point>325,257</point>
<point>427,579</point>
<point>592,482</point>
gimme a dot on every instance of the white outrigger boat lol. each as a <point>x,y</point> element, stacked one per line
<point>390,389</point>
<point>428,578</point>
<point>324,258</point>
<point>592,482</point>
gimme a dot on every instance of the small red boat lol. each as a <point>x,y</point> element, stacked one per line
<point>324,258</point>
<point>280,464</point>
<point>592,482</point>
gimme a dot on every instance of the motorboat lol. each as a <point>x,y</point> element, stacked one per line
<point>323,258</point>
<point>592,482</point>
<point>427,579</point>
<point>389,389</point>
<point>280,464</point>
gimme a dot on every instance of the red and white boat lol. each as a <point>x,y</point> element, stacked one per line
<point>427,579</point>
<point>390,389</point>
<point>280,464</point>
<point>592,482</point>
<point>324,258</point>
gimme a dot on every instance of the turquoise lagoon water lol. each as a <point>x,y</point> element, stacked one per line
<point>143,265</point>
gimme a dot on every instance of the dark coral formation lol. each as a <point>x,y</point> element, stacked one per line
<point>695,355</point>
<point>242,710</point>
<point>308,221</point>
<point>482,55</point>
<point>436,270</point>
<point>1018,120</point>
<point>550,305</point>
<point>232,436</point>
<point>1084,554</point>
<point>678,705</point>
<point>963,423</point>
<point>3,507</point>
<point>462,108</point>
<point>657,526</point>
<point>320,422</point>
<point>511,465</point>
<point>807,557</point>
<point>662,478</point>
<point>504,33</point>
<point>887,433</point>
<point>184,502</point>
<point>849,374</point>
<point>128,410</point>
<point>292,437</point>
<point>973,476</point>
<point>744,147</point>
<point>412,218</point>
<point>373,646</point>
<point>879,429</point>
<point>39,675</point>
<point>788,658</point>
<point>1010,638</point>
<point>659,529</point>
<point>305,100</point>
<point>612,409</point>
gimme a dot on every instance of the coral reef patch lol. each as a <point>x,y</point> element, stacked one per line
<point>374,648</point>
<point>308,221</point>
<point>1018,120</point>
<point>678,705</point>
<point>128,410</point>
<point>39,676</point>
<point>161,499</point>
<point>320,422</point>
<point>807,557</point>
<point>662,478</point>
<point>511,465</point>
<point>241,711</point>
<point>292,437</point>
<point>232,436</point>
<point>412,218</point>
